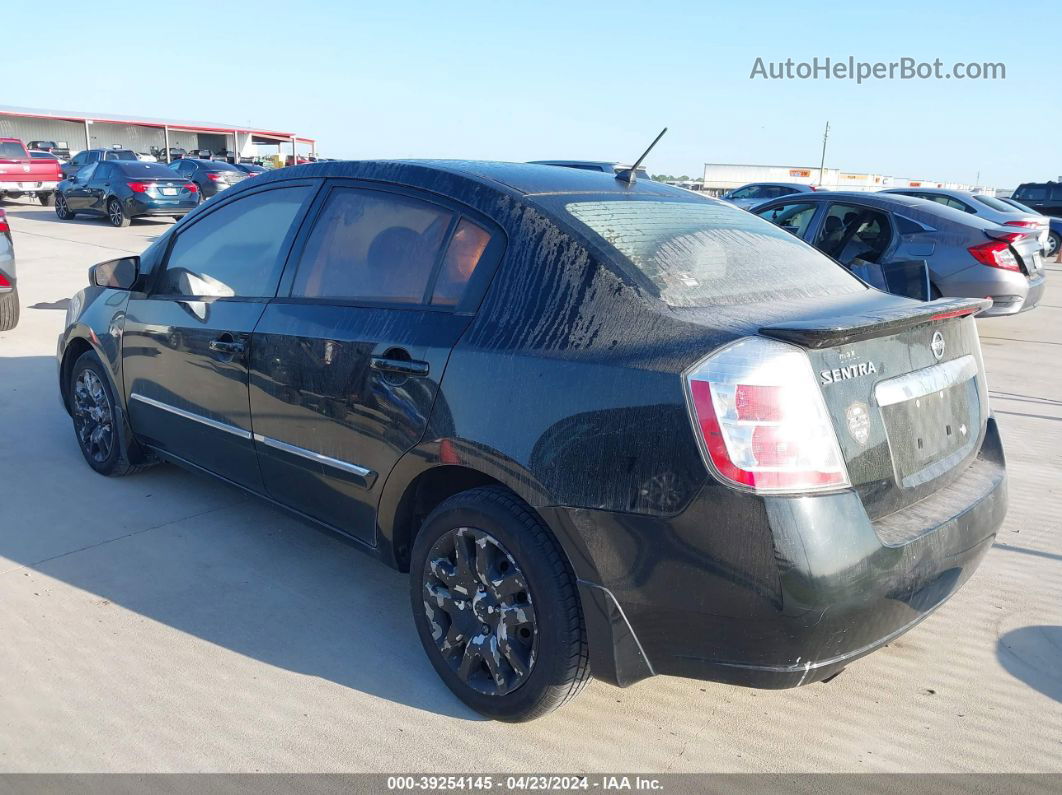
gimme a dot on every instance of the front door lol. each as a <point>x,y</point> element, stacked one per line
<point>187,342</point>
<point>345,368</point>
<point>77,194</point>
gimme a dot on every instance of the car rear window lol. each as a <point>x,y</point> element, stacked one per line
<point>995,204</point>
<point>144,169</point>
<point>704,253</point>
<point>218,165</point>
<point>12,151</point>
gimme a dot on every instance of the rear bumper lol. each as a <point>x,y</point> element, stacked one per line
<point>27,187</point>
<point>1011,292</point>
<point>140,207</point>
<point>788,590</point>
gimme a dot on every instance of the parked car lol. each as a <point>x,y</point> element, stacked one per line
<point>212,176</point>
<point>39,155</point>
<point>144,157</point>
<point>987,207</point>
<point>250,169</point>
<point>8,283</point>
<point>608,167</point>
<point>1044,197</point>
<point>966,255</point>
<point>748,196</point>
<point>90,156</point>
<point>57,148</point>
<point>121,190</point>
<point>23,175</point>
<point>1054,240</point>
<point>605,427</point>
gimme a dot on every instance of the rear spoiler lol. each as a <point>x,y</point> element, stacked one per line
<point>827,332</point>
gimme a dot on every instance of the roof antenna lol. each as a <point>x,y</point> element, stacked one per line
<point>627,175</point>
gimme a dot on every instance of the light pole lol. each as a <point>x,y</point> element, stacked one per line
<point>822,162</point>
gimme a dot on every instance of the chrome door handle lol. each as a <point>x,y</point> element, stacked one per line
<point>229,347</point>
<point>406,367</point>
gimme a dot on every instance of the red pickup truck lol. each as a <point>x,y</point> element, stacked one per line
<point>21,174</point>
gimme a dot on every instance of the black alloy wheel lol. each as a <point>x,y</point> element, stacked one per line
<point>496,606</point>
<point>62,210</point>
<point>94,420</point>
<point>116,213</point>
<point>481,614</point>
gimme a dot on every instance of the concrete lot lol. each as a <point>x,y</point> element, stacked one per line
<point>164,622</point>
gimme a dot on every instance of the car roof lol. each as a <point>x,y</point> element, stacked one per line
<point>940,191</point>
<point>521,178</point>
<point>798,185</point>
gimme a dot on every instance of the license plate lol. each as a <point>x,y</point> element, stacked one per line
<point>168,191</point>
<point>1037,261</point>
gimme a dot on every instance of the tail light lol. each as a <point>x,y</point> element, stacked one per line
<point>760,419</point>
<point>140,187</point>
<point>996,254</point>
<point>214,176</point>
<point>4,281</point>
<point>1026,224</point>
<point>191,187</point>
<point>4,226</point>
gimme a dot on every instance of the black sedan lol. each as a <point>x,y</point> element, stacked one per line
<point>124,189</point>
<point>606,426</point>
<point>212,176</point>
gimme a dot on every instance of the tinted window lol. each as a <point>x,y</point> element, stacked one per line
<point>85,174</point>
<point>995,204</point>
<point>1033,192</point>
<point>103,171</point>
<point>234,251</point>
<point>372,246</point>
<point>141,170</point>
<point>850,232</point>
<point>1056,192</point>
<point>43,155</point>
<point>704,253</point>
<point>750,192</point>
<point>119,154</point>
<point>793,218</point>
<point>218,165</point>
<point>12,151</point>
<point>464,253</point>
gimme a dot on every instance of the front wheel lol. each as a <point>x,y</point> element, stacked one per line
<point>116,213</point>
<point>1054,242</point>
<point>97,423</point>
<point>62,209</point>
<point>496,606</point>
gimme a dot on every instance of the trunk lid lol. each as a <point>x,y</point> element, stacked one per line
<point>905,389</point>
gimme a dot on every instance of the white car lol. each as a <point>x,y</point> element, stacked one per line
<point>146,158</point>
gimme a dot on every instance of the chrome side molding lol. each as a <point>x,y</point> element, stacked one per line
<point>310,455</point>
<point>188,415</point>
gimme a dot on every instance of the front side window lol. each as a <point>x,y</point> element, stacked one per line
<point>750,192</point>
<point>850,232</point>
<point>234,250</point>
<point>85,174</point>
<point>793,218</point>
<point>705,253</point>
<point>372,246</point>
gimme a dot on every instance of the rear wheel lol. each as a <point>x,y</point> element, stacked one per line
<point>116,213</point>
<point>46,199</point>
<point>496,606</point>
<point>1054,242</point>
<point>103,440</point>
<point>9,310</point>
<point>61,208</point>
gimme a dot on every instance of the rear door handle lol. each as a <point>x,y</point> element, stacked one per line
<point>227,345</point>
<point>407,367</point>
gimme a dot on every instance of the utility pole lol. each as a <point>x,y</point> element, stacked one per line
<point>977,181</point>
<point>822,163</point>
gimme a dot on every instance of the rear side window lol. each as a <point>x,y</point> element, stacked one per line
<point>1031,192</point>
<point>372,246</point>
<point>852,232</point>
<point>120,154</point>
<point>704,253</point>
<point>464,253</point>
<point>235,250</point>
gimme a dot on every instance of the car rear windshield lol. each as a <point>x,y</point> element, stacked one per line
<point>12,151</point>
<point>705,252</point>
<point>219,165</point>
<point>994,203</point>
<point>140,170</point>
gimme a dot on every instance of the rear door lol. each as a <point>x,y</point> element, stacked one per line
<point>345,367</point>
<point>99,186</point>
<point>187,341</point>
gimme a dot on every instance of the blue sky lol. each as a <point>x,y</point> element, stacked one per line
<point>588,80</point>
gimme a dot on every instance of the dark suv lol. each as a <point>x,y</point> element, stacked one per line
<point>1044,197</point>
<point>606,427</point>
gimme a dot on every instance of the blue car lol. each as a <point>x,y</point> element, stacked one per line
<point>121,190</point>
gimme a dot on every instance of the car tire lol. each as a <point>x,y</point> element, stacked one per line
<point>116,213</point>
<point>517,649</point>
<point>104,438</point>
<point>62,209</point>
<point>1054,242</point>
<point>46,199</point>
<point>9,310</point>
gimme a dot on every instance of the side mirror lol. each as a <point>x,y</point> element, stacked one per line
<point>118,274</point>
<point>72,178</point>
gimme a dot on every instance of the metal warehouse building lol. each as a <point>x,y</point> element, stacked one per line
<point>93,130</point>
<point>726,176</point>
